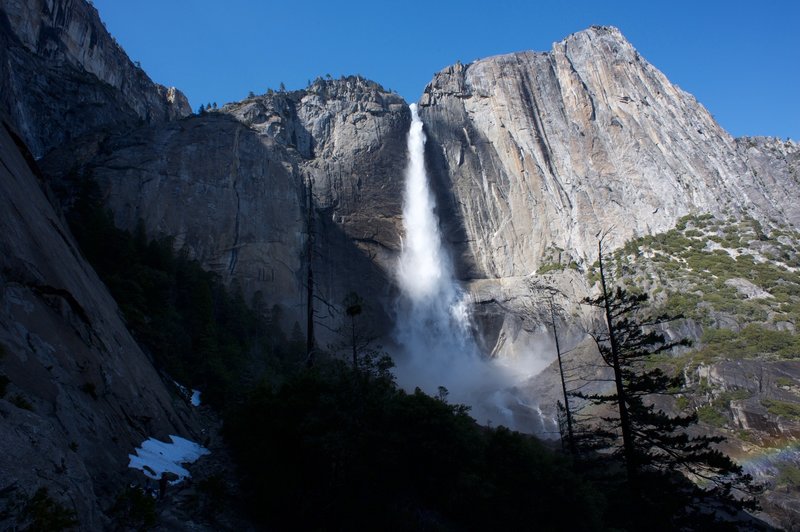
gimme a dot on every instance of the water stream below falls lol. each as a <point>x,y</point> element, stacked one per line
<point>433,326</point>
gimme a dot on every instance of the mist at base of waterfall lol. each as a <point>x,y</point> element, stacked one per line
<point>497,390</point>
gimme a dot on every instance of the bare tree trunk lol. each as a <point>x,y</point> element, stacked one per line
<point>624,418</point>
<point>355,349</point>
<point>310,277</point>
<point>570,433</point>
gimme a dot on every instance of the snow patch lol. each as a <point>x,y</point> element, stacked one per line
<point>155,457</point>
<point>195,400</point>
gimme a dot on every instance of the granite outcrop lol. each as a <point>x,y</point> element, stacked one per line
<point>544,150</point>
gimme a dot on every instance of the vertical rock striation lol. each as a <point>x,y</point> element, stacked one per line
<point>531,154</point>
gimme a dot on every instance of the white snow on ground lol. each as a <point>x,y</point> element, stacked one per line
<point>155,457</point>
<point>195,400</point>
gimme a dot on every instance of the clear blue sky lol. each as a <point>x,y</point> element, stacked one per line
<point>741,59</point>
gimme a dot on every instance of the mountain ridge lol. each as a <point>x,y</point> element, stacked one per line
<point>529,153</point>
<point>582,113</point>
<point>64,44</point>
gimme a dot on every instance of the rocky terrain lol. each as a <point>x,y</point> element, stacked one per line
<point>232,187</point>
<point>78,394</point>
<point>531,154</point>
<point>736,284</point>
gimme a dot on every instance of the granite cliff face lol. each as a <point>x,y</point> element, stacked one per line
<point>349,139</point>
<point>544,150</point>
<point>63,75</point>
<point>226,195</point>
<point>81,394</point>
<point>532,154</point>
<point>775,165</point>
<point>232,187</point>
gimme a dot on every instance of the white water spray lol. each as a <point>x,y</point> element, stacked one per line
<point>433,326</point>
<point>424,273</point>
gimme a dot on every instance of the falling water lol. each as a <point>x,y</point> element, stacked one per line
<point>433,325</point>
<point>424,272</point>
<point>437,347</point>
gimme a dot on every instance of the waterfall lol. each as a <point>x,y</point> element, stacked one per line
<point>433,330</point>
<point>433,327</point>
<point>424,271</point>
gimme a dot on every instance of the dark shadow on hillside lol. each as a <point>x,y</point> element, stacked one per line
<point>342,267</point>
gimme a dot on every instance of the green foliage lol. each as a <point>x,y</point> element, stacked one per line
<point>789,476</point>
<point>593,274</point>
<point>550,267</point>
<point>554,259</point>
<point>696,281</point>
<point>340,449</point>
<point>682,403</point>
<point>753,341</point>
<point>738,394</point>
<point>711,415</point>
<point>783,409</point>
<point>683,303</point>
<point>659,451</point>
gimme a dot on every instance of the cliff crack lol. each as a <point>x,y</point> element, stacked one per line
<point>580,80</point>
<point>235,179</point>
<point>540,135</point>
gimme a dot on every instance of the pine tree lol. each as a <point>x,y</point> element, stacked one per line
<point>669,467</point>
